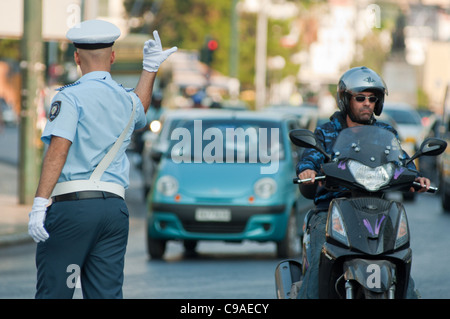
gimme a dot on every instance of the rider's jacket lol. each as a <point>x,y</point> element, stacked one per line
<point>312,159</point>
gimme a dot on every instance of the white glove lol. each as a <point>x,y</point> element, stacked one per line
<point>37,217</point>
<point>154,55</point>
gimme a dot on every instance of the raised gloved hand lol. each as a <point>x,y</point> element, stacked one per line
<point>37,217</point>
<point>154,55</point>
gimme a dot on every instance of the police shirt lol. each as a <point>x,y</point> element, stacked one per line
<point>92,113</point>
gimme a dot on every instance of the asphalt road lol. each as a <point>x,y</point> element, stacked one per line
<point>232,271</point>
<point>225,270</point>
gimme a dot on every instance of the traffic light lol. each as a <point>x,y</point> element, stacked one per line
<point>207,52</point>
<point>213,45</point>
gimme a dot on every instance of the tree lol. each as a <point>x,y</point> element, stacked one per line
<point>187,23</point>
<point>10,49</point>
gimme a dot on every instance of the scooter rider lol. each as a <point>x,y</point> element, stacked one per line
<point>360,96</point>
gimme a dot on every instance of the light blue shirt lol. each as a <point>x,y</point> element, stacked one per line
<point>92,113</point>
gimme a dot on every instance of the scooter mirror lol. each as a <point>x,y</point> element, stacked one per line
<point>430,147</point>
<point>307,139</point>
<point>433,146</point>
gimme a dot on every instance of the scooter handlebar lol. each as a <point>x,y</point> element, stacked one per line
<point>432,189</point>
<point>300,181</point>
<point>416,185</point>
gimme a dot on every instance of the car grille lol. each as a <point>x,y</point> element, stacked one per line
<point>240,217</point>
<point>214,227</point>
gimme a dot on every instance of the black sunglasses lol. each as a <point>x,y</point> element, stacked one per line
<point>362,98</point>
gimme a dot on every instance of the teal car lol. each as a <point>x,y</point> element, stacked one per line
<point>226,176</point>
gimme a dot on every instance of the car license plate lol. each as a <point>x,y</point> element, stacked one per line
<point>212,215</point>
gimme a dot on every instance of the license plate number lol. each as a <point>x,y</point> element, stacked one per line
<point>212,215</point>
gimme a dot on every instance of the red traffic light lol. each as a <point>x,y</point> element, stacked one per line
<point>213,45</point>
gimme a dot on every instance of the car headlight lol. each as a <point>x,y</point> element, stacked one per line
<point>155,126</point>
<point>371,178</point>
<point>336,227</point>
<point>167,185</point>
<point>265,187</point>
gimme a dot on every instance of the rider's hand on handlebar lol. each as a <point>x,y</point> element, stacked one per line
<point>424,182</point>
<point>309,173</point>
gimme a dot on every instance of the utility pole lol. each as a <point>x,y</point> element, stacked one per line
<point>234,47</point>
<point>261,55</point>
<point>33,67</point>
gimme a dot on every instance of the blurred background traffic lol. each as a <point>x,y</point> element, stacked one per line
<point>234,56</point>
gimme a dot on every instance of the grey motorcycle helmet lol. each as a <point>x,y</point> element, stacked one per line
<point>357,80</point>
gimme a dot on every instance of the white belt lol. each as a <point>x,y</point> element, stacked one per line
<point>88,185</point>
<point>94,183</point>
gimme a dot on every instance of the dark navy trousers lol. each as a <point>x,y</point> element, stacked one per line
<point>88,238</point>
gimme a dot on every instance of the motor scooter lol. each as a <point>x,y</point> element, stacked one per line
<point>367,250</point>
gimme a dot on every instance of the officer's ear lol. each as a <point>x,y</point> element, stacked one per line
<point>113,57</point>
<point>76,57</point>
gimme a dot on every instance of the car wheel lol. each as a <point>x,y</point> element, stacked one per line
<point>189,247</point>
<point>146,191</point>
<point>445,196</point>
<point>156,247</point>
<point>290,246</point>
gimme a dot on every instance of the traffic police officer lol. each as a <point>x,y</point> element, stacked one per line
<point>86,171</point>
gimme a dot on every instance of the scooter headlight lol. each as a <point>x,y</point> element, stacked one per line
<point>336,227</point>
<point>371,178</point>
<point>402,231</point>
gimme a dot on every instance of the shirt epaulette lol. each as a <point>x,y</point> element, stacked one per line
<point>68,85</point>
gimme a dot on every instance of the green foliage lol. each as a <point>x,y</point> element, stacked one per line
<point>372,54</point>
<point>9,49</point>
<point>188,23</point>
<point>422,99</point>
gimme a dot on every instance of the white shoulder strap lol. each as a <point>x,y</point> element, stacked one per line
<point>103,165</point>
<point>94,182</point>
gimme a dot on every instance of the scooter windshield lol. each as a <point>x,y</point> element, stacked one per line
<point>371,145</point>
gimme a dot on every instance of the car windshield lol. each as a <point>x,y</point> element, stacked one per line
<point>408,117</point>
<point>225,140</point>
<point>370,145</point>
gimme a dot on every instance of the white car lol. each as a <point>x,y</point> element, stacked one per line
<point>409,121</point>
<point>410,130</point>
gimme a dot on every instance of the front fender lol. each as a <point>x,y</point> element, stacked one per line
<point>374,275</point>
<point>287,274</point>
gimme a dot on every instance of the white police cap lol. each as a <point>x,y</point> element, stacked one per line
<point>93,34</point>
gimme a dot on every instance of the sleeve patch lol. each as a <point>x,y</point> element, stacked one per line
<point>54,110</point>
